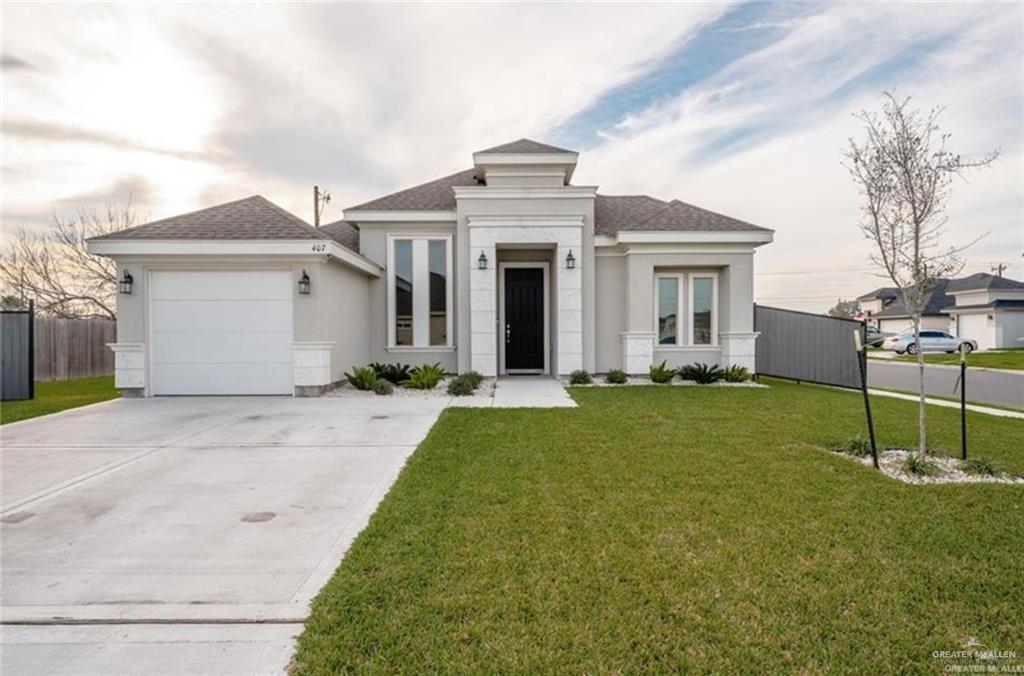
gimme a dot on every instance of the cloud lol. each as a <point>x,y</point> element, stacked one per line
<point>9,62</point>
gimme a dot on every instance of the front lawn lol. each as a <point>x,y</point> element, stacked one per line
<point>675,529</point>
<point>1012,359</point>
<point>58,396</point>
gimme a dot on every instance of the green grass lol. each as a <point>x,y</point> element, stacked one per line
<point>58,396</point>
<point>676,529</point>
<point>1012,359</point>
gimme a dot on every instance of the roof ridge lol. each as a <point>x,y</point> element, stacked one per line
<point>187,213</point>
<point>284,212</point>
<point>470,171</point>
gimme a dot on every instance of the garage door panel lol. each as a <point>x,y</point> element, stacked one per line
<point>225,316</point>
<point>207,378</point>
<point>222,285</point>
<point>222,348</point>
<point>221,332</point>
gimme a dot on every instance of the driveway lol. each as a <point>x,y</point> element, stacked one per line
<point>1005,388</point>
<point>186,535</point>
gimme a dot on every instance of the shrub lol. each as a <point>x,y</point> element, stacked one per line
<point>460,387</point>
<point>579,377</point>
<point>383,387</point>
<point>616,377</point>
<point>393,373</point>
<point>858,446</point>
<point>702,374</point>
<point>473,377</point>
<point>736,374</point>
<point>362,378</point>
<point>980,466</point>
<point>661,373</point>
<point>425,377</point>
<point>917,466</point>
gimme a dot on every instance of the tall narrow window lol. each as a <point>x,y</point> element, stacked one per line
<point>668,310</point>
<point>702,302</point>
<point>419,292</point>
<point>438,255</point>
<point>403,292</point>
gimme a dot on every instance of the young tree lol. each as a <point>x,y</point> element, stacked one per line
<point>904,173</point>
<point>54,269</point>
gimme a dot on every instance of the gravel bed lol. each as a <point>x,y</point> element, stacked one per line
<point>890,462</point>
<point>644,380</point>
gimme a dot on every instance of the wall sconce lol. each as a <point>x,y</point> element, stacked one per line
<point>304,283</point>
<point>125,284</point>
<point>482,261</point>
<point>570,260</point>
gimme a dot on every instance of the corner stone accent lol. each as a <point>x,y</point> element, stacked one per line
<point>129,365</point>
<point>312,364</point>
<point>637,352</point>
<point>738,348</point>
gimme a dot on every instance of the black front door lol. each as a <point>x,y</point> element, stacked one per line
<point>524,319</point>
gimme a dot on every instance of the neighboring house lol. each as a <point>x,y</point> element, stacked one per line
<point>872,303</point>
<point>988,309</point>
<point>893,316</point>
<point>505,267</point>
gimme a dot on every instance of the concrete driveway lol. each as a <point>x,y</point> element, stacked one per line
<point>186,535</point>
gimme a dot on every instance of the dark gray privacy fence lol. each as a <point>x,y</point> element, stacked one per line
<point>16,376</point>
<point>808,347</point>
<point>73,348</point>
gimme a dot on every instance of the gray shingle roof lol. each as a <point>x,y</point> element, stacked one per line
<point>436,195</point>
<point>982,281</point>
<point>998,304</point>
<point>883,293</point>
<point>642,213</point>
<point>935,304</point>
<point>250,218</point>
<point>525,145</point>
<point>344,233</point>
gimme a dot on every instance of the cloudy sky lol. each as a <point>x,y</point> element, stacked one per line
<point>740,108</point>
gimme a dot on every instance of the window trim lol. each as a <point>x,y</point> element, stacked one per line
<point>684,309</point>
<point>449,290</point>
<point>713,276</point>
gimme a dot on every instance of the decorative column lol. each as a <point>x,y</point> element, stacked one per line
<point>311,364</point>
<point>638,338</point>
<point>483,311</point>
<point>129,368</point>
<point>738,348</point>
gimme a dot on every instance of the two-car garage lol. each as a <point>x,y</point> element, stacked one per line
<point>220,332</point>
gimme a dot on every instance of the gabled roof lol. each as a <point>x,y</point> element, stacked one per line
<point>525,145</point>
<point>250,218</point>
<point>434,195</point>
<point>344,233</point>
<point>983,281</point>
<point>882,293</point>
<point>998,304</point>
<point>614,213</point>
<point>935,303</point>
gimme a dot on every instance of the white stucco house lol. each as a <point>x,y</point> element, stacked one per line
<point>504,268</point>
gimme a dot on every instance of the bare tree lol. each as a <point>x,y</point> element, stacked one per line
<point>905,174</point>
<point>54,268</point>
<point>844,308</point>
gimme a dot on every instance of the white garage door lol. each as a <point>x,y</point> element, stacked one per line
<point>221,332</point>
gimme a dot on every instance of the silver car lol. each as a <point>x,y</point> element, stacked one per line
<point>931,341</point>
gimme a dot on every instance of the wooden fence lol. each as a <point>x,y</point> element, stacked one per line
<point>73,348</point>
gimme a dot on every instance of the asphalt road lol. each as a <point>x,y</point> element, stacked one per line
<point>984,386</point>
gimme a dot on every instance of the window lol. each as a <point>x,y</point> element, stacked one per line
<point>686,309</point>
<point>419,291</point>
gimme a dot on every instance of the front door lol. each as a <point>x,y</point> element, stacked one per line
<point>524,319</point>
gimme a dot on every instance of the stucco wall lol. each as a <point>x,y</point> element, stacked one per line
<point>937,323</point>
<point>339,297</point>
<point>373,240</point>
<point>610,311</point>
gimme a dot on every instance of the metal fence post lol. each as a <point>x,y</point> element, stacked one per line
<point>862,358</point>
<point>963,401</point>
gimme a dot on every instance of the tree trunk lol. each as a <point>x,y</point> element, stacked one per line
<point>922,431</point>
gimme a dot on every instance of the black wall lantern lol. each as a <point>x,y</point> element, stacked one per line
<point>570,260</point>
<point>482,261</point>
<point>125,284</point>
<point>304,283</point>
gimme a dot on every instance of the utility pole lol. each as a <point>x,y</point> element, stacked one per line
<point>320,201</point>
<point>998,269</point>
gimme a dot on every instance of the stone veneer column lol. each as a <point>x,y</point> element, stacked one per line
<point>569,292</point>
<point>311,365</point>
<point>483,317</point>
<point>738,348</point>
<point>129,367</point>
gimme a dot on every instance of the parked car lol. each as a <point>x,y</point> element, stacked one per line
<point>931,341</point>
<point>874,336</point>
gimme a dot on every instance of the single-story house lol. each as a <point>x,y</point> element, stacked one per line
<point>506,267</point>
<point>988,309</point>
<point>890,316</point>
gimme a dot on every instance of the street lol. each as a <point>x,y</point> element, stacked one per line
<point>985,386</point>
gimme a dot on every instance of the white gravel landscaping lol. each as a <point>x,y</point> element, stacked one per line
<point>485,390</point>
<point>948,470</point>
<point>644,380</point>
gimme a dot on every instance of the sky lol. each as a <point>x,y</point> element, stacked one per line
<point>742,108</point>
